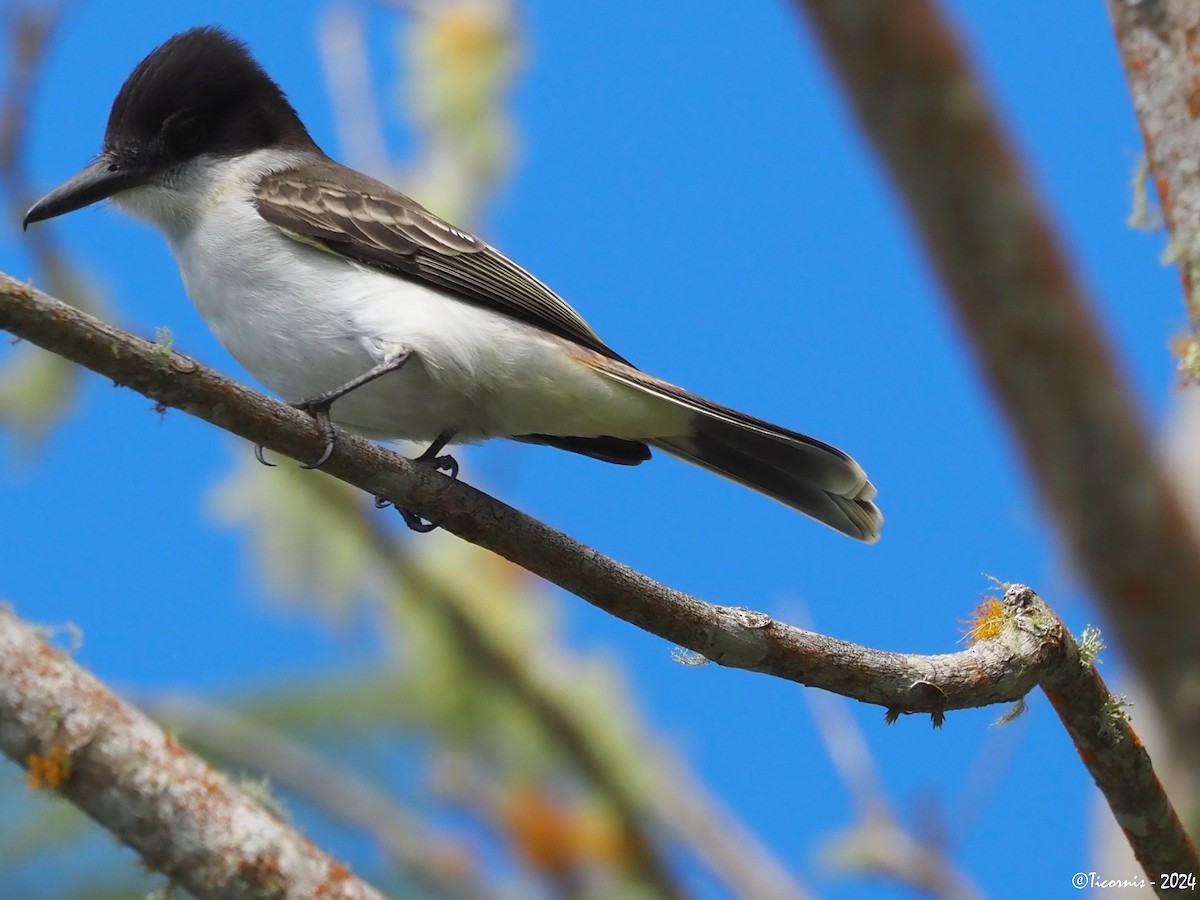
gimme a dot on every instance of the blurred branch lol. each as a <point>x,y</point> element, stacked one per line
<point>35,388</point>
<point>29,29</point>
<point>435,862</point>
<point>1029,320</point>
<point>684,808</point>
<point>573,851</point>
<point>878,844</point>
<point>494,663</point>
<point>719,839</point>
<point>1159,45</point>
<point>463,56</point>
<point>342,45</point>
<point>184,819</point>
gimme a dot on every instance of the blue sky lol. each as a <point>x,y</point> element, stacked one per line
<point>694,186</point>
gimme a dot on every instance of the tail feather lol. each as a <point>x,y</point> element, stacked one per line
<point>801,472</point>
<point>797,474</point>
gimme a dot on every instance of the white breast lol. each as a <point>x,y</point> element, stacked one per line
<point>303,321</point>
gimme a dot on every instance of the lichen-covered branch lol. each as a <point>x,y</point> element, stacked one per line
<point>441,864</point>
<point>1119,764</point>
<point>183,819</point>
<point>1032,329</point>
<point>1160,50</point>
<point>1159,43</point>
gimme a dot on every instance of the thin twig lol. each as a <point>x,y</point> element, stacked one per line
<point>1033,331</point>
<point>183,819</point>
<point>878,843</point>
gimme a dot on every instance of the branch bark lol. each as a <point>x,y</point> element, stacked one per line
<point>1029,320</point>
<point>1028,645</point>
<point>986,673</point>
<point>1160,50</point>
<point>184,819</point>
<point>1121,767</point>
<point>1159,44</point>
<point>440,863</point>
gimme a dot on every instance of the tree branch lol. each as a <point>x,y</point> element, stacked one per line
<point>437,862</point>
<point>184,819</point>
<point>879,843</point>
<point>36,389</point>
<point>683,808</point>
<point>1158,43</point>
<point>1121,767</point>
<point>1029,320</point>
<point>988,672</point>
<point>1025,643</point>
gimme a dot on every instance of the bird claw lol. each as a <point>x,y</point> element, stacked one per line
<point>320,412</point>
<point>445,463</point>
<point>415,522</point>
<point>258,454</point>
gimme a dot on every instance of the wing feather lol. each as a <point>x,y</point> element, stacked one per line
<point>329,206</point>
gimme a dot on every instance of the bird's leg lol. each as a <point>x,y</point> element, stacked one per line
<point>430,457</point>
<point>318,406</point>
<point>445,463</point>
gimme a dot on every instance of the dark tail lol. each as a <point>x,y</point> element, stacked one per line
<point>805,474</point>
<point>798,471</point>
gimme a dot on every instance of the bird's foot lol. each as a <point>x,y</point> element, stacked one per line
<point>319,410</point>
<point>318,407</point>
<point>443,463</point>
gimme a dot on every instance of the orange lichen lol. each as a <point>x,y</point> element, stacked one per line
<point>262,871</point>
<point>334,883</point>
<point>987,621</point>
<point>173,748</point>
<point>1193,99</point>
<point>49,771</point>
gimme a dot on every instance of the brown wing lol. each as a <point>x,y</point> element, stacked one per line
<point>334,208</point>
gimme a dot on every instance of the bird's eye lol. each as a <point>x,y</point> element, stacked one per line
<point>184,132</point>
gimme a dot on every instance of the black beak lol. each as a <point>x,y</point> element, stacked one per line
<point>98,181</point>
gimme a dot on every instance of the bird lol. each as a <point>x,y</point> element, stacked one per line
<point>352,301</point>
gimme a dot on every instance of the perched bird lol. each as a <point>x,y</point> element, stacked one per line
<point>353,302</point>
